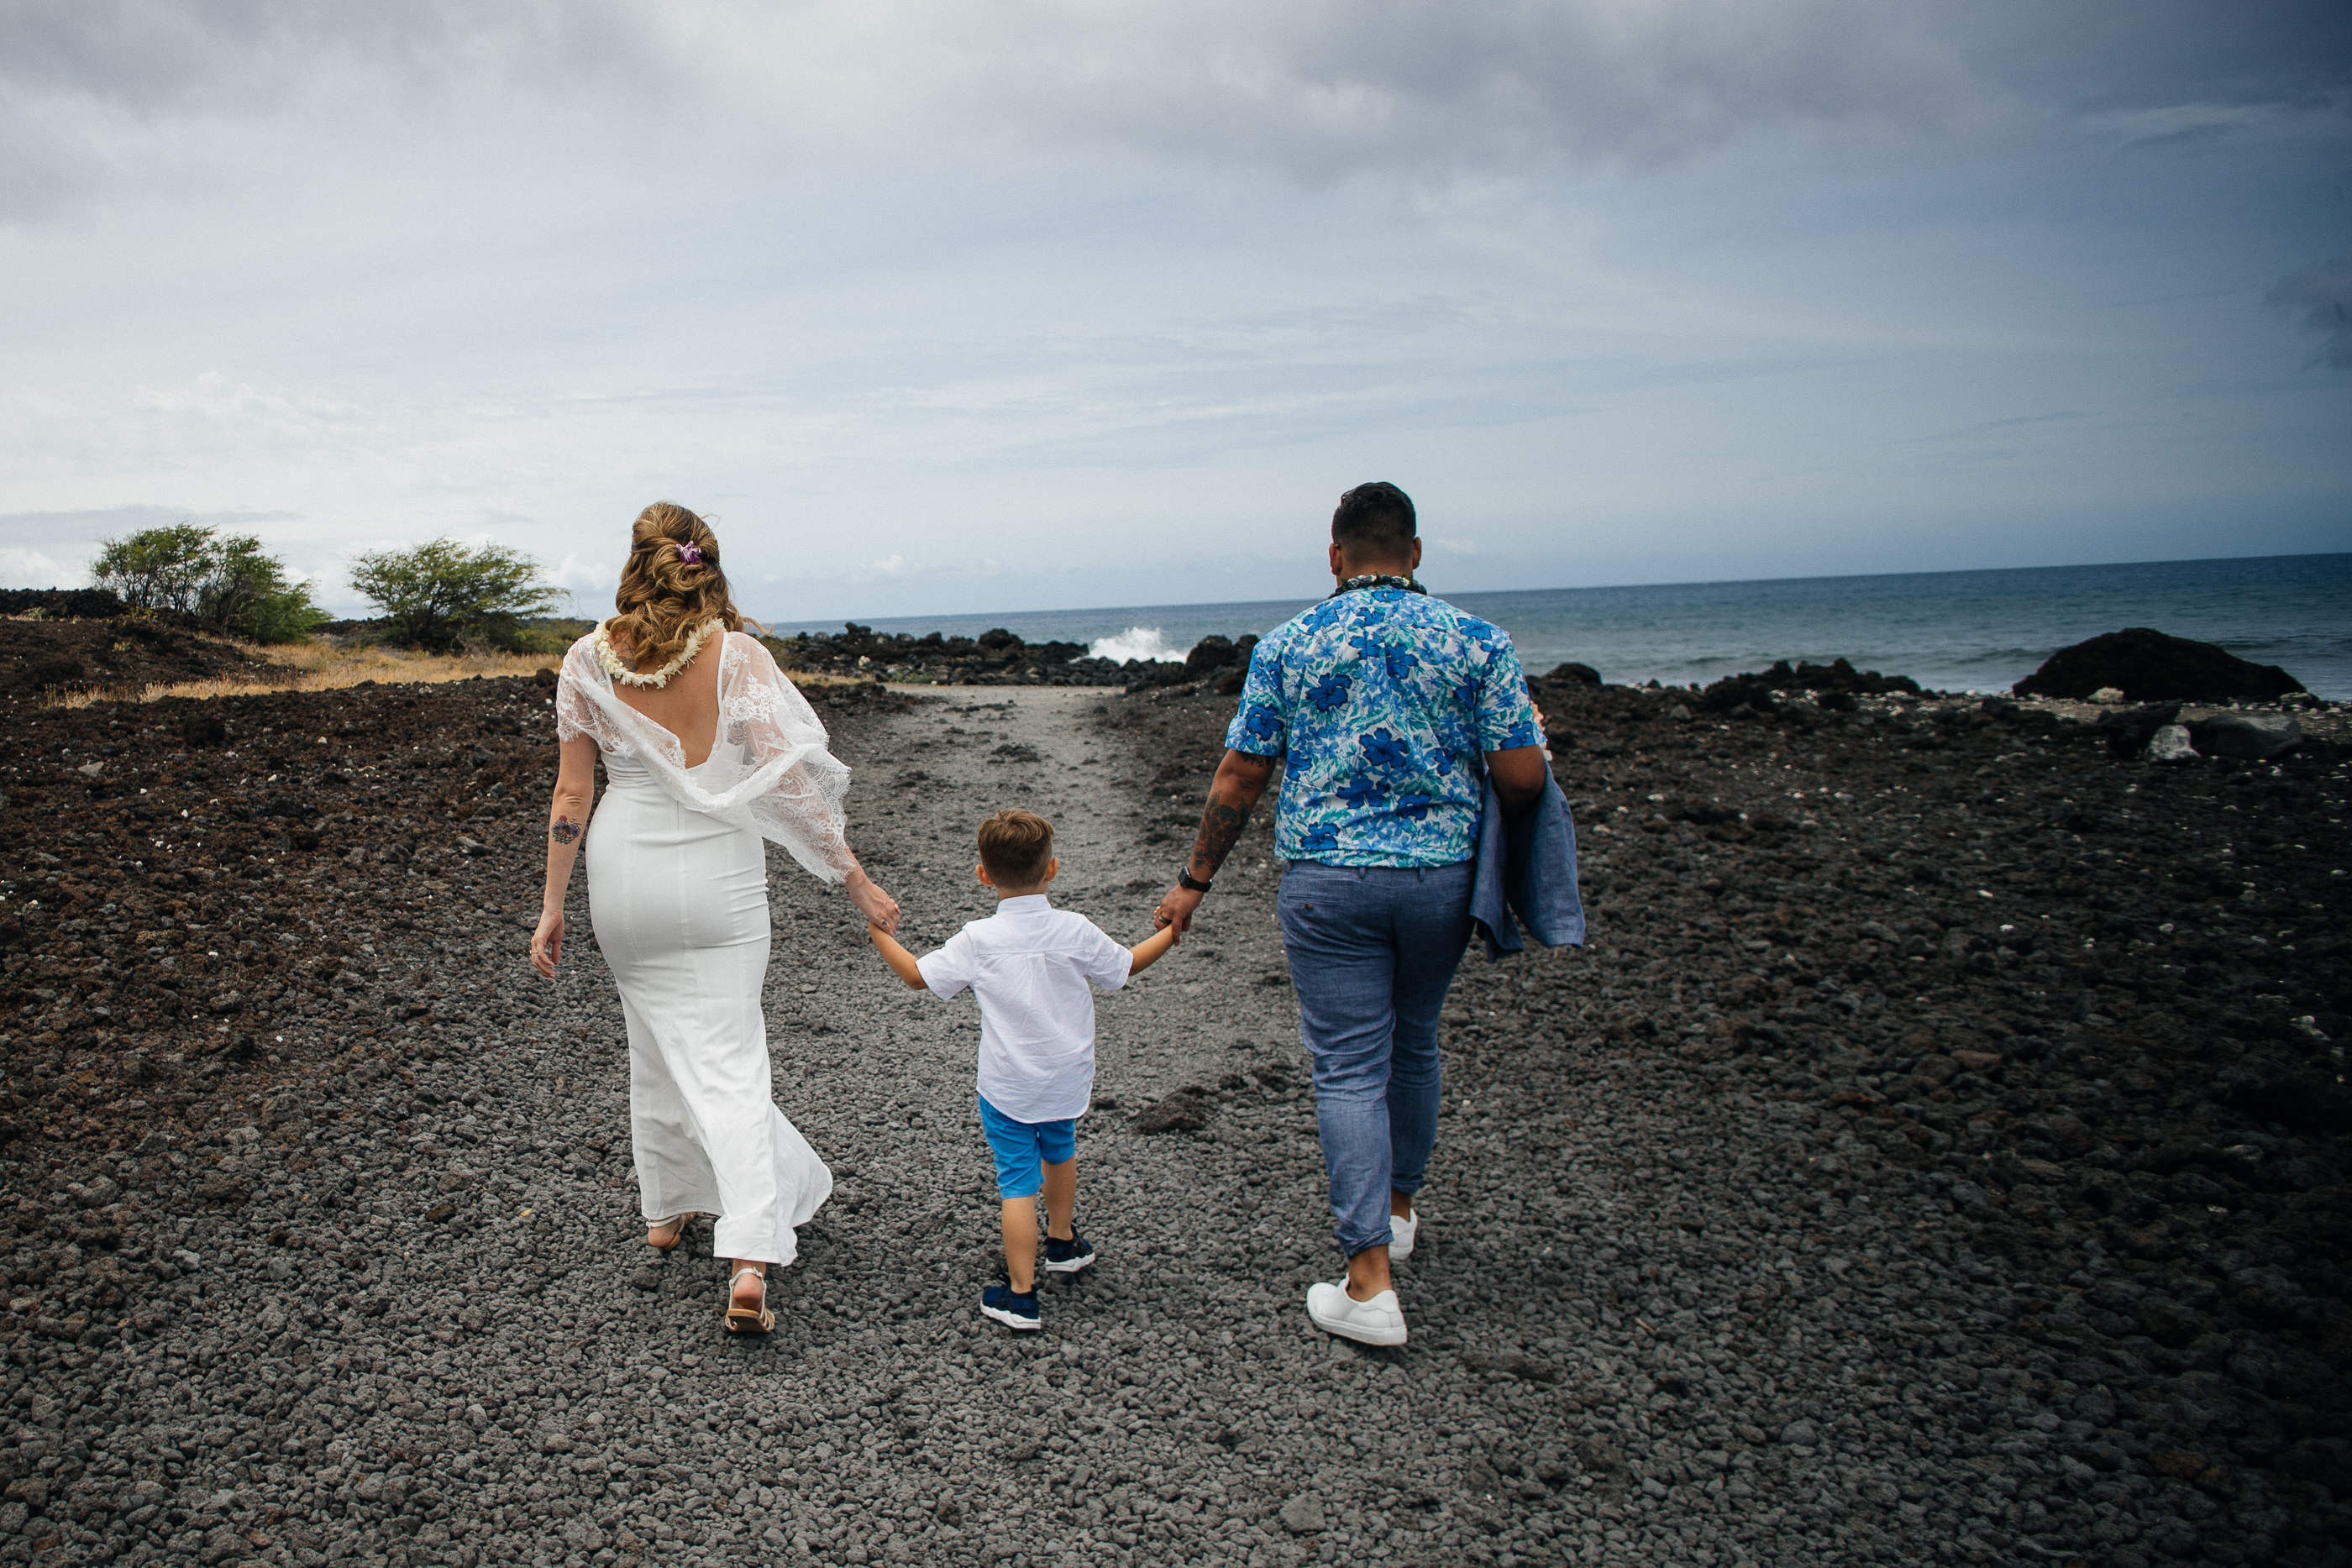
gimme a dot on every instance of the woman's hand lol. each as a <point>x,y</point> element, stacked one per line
<point>879,907</point>
<point>547,942</point>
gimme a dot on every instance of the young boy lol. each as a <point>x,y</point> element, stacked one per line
<point>1028,965</point>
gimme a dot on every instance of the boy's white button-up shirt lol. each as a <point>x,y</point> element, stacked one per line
<point>1028,965</point>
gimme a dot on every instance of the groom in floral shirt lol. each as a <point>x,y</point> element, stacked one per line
<point>1387,711</point>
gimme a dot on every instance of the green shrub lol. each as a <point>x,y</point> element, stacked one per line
<point>552,641</point>
<point>158,568</point>
<point>440,596</point>
<point>229,585</point>
<point>249,596</point>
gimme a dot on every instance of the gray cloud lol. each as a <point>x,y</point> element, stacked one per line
<point>2084,56</point>
<point>95,93</point>
<point>877,281</point>
<point>1331,89</point>
<point>2324,295</point>
<point>94,90</point>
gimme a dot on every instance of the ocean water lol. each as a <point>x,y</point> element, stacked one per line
<point>1950,630</point>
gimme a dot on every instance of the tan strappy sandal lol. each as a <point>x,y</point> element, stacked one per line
<point>675,1225</point>
<point>749,1320</point>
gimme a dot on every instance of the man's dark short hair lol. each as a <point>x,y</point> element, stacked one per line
<point>1376,518</point>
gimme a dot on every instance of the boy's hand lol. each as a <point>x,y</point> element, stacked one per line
<point>1149,951</point>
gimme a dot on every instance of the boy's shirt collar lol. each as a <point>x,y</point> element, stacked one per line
<point>1023,903</point>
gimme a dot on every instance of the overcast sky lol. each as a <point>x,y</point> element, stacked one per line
<point>1012,304</point>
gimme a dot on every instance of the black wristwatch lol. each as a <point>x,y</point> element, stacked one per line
<point>1184,879</point>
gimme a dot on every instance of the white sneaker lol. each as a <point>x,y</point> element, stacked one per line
<point>1401,1230</point>
<point>1377,1321</point>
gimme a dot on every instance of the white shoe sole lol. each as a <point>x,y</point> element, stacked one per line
<point>1068,1266</point>
<point>1010,1320</point>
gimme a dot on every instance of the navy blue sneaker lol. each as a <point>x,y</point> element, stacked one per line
<point>1013,1309</point>
<point>1069,1257</point>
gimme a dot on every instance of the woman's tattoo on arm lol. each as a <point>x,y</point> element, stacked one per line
<point>1221,828</point>
<point>563,829</point>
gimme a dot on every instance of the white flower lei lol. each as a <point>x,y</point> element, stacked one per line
<point>619,670</point>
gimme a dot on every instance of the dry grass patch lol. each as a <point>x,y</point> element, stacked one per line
<point>321,666</point>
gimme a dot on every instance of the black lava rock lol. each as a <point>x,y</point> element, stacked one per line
<point>61,604</point>
<point>2128,730</point>
<point>1215,653</point>
<point>2247,735</point>
<point>1211,652</point>
<point>2147,665</point>
<point>1185,1111</point>
<point>996,657</point>
<point>1836,679</point>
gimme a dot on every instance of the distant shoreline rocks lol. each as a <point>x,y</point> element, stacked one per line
<point>1001,657</point>
<point>1832,686</point>
<point>2136,667</point>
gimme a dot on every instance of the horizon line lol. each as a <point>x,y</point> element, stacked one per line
<point>1563,588</point>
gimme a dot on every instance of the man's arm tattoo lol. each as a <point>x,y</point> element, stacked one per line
<point>1221,828</point>
<point>563,829</point>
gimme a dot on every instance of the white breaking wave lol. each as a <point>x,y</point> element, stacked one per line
<point>1146,643</point>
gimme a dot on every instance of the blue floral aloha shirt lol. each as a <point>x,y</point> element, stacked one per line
<point>1382,701</point>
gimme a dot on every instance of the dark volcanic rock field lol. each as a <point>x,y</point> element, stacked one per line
<point>2036,1053</point>
<point>122,653</point>
<point>1938,1155</point>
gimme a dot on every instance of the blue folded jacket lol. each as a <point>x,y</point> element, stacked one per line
<point>1528,868</point>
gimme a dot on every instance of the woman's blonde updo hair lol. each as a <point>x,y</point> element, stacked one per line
<point>663,596</point>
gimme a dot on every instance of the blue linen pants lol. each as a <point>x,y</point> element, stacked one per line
<point>1372,950</point>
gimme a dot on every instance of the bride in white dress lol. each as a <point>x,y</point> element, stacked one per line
<point>709,751</point>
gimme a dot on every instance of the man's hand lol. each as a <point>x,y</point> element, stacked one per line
<point>1176,910</point>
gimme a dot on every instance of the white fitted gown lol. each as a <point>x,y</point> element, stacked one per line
<point>677,890</point>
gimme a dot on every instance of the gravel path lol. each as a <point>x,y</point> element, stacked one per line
<point>1668,1307</point>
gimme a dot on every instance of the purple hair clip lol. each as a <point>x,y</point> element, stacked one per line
<point>690,554</point>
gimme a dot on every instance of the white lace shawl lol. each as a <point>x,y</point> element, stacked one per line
<point>769,769</point>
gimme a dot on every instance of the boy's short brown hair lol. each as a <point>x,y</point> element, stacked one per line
<point>1014,845</point>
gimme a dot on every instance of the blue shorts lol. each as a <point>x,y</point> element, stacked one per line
<point>1019,1146</point>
